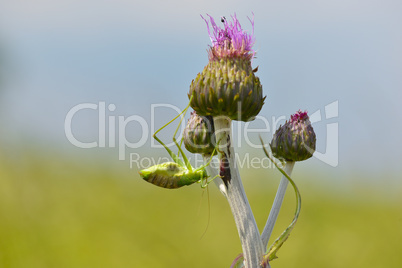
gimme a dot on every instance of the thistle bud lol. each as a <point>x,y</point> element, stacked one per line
<point>228,86</point>
<point>295,140</point>
<point>199,137</point>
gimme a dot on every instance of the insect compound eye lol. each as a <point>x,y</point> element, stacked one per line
<point>223,19</point>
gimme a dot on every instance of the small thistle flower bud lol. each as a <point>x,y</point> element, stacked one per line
<point>227,86</point>
<point>295,140</point>
<point>199,137</point>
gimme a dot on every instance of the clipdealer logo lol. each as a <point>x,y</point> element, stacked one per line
<point>113,135</point>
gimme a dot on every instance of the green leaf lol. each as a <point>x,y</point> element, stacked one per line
<point>238,262</point>
<point>273,249</point>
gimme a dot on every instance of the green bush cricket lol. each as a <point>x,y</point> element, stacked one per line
<point>173,175</point>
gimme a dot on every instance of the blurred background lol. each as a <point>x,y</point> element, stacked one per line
<point>65,206</point>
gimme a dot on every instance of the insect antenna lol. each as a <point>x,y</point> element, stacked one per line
<point>209,212</point>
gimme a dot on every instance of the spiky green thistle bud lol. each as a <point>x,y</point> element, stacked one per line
<point>199,137</point>
<point>228,86</point>
<point>295,140</point>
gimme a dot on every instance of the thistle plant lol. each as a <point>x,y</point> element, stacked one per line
<point>294,141</point>
<point>227,89</point>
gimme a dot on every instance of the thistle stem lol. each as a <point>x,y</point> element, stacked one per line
<point>250,239</point>
<point>212,173</point>
<point>280,194</point>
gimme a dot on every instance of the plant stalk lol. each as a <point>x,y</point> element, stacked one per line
<point>250,239</point>
<point>280,194</point>
<point>212,173</point>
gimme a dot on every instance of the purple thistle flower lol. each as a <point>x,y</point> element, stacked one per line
<point>299,116</point>
<point>230,41</point>
<point>295,140</point>
<point>228,85</point>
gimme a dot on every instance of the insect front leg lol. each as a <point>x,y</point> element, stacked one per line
<point>210,157</point>
<point>208,182</point>
<point>204,185</point>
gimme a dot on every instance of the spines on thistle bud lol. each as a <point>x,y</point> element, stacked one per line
<point>295,140</point>
<point>228,86</point>
<point>199,134</point>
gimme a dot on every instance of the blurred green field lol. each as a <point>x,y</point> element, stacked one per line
<point>59,212</point>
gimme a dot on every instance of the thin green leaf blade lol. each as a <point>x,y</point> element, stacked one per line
<point>273,249</point>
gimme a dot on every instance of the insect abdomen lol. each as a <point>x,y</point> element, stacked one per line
<point>168,175</point>
<point>162,181</point>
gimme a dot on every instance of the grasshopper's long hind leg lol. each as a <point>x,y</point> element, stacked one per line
<point>173,155</point>
<point>186,162</point>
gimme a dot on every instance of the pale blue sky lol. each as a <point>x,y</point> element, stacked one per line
<point>310,53</point>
